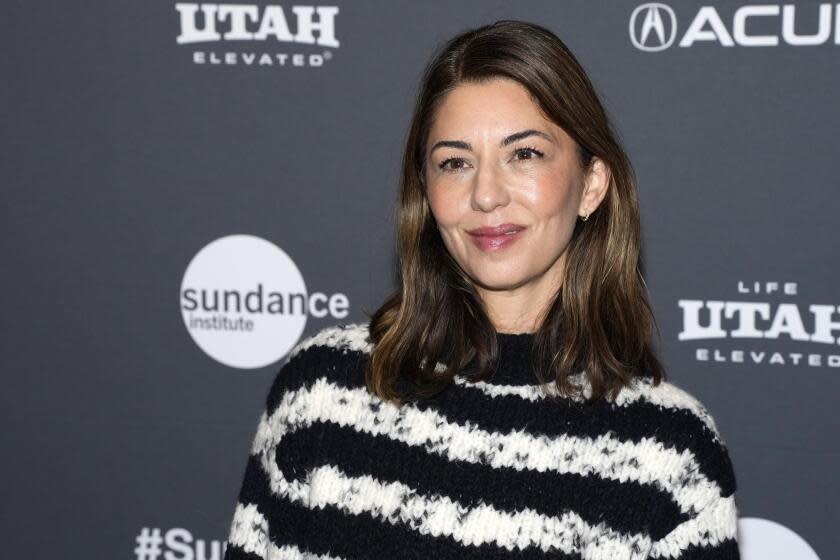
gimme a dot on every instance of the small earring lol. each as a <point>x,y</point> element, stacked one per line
<point>584,218</point>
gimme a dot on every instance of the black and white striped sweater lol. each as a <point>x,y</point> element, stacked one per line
<point>483,470</point>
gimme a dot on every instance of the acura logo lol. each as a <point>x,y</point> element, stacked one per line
<point>653,26</point>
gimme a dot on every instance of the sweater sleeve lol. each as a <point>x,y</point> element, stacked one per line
<point>712,529</point>
<point>259,510</point>
<point>249,537</point>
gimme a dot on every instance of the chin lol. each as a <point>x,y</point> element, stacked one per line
<point>499,279</point>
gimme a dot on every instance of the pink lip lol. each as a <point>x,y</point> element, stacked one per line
<point>496,237</point>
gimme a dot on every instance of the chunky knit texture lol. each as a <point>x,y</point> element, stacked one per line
<point>483,470</point>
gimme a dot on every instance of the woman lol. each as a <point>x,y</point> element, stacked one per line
<point>505,401</point>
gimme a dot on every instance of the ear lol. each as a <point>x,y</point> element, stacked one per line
<point>596,182</point>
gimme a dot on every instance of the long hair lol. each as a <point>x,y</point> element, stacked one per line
<point>599,322</point>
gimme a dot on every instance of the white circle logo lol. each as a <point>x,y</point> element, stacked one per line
<point>663,31</point>
<point>244,301</point>
<point>762,539</point>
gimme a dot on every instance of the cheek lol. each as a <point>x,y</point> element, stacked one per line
<point>553,196</point>
<point>445,209</point>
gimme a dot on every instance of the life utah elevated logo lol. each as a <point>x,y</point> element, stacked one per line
<point>263,36</point>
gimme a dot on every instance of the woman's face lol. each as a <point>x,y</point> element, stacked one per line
<point>492,160</point>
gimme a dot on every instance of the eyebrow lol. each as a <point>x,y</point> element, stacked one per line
<point>460,144</point>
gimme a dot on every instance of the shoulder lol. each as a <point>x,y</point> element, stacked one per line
<point>333,354</point>
<point>671,399</point>
<point>685,424</point>
<point>338,337</point>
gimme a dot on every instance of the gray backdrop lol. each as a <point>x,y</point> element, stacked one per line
<point>126,152</point>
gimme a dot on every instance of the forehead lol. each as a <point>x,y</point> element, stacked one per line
<point>496,107</point>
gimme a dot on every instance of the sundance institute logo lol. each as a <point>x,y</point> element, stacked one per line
<point>244,301</point>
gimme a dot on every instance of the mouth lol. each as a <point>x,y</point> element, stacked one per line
<point>495,231</point>
<point>495,238</point>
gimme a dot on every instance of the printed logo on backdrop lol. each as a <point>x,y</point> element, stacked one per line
<point>153,543</point>
<point>762,539</point>
<point>258,36</point>
<point>756,321</point>
<point>654,26</point>
<point>245,303</point>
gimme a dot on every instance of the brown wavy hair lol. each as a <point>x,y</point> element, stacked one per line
<point>599,322</point>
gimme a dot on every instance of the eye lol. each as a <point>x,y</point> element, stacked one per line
<point>444,163</point>
<point>531,151</point>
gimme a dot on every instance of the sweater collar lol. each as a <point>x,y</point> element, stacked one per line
<point>514,360</point>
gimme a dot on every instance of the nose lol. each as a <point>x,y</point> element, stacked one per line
<point>489,190</point>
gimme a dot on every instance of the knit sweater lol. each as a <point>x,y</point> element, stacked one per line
<point>483,470</point>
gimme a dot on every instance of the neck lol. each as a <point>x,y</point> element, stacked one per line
<point>520,309</point>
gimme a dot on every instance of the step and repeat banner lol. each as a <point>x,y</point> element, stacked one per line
<point>189,189</point>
